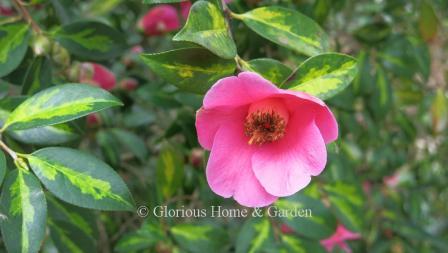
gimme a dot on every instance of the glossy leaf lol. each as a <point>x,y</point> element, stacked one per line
<point>169,172</point>
<point>23,202</point>
<point>145,237</point>
<point>47,135</point>
<point>37,76</point>
<point>59,104</point>
<point>2,167</point>
<point>69,238</point>
<point>91,40</point>
<point>255,235</point>
<point>318,224</point>
<point>347,202</point>
<point>207,27</point>
<point>287,28</point>
<point>190,69</point>
<point>14,40</point>
<point>271,69</point>
<point>199,238</point>
<point>324,75</point>
<point>80,179</point>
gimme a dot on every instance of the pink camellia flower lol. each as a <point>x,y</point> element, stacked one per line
<point>159,20</point>
<point>338,239</point>
<point>265,142</point>
<point>98,75</point>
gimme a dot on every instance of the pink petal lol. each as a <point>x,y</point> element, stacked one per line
<point>208,122</point>
<point>284,167</point>
<point>234,91</point>
<point>229,169</point>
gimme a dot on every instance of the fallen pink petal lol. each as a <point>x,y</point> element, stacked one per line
<point>265,142</point>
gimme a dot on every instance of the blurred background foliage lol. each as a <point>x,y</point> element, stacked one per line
<point>386,176</point>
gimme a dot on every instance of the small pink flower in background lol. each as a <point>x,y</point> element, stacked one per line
<point>392,180</point>
<point>98,75</point>
<point>6,11</point>
<point>93,120</point>
<point>137,49</point>
<point>185,9</point>
<point>285,229</point>
<point>129,84</point>
<point>159,20</point>
<point>338,239</point>
<point>265,142</point>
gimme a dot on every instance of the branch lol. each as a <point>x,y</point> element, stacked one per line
<point>26,15</point>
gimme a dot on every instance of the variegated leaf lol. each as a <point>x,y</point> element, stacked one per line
<point>23,202</point>
<point>91,40</point>
<point>14,40</point>
<point>207,27</point>
<point>291,243</point>
<point>271,69</point>
<point>324,75</point>
<point>68,237</point>
<point>199,238</point>
<point>80,179</point>
<point>287,28</point>
<point>190,69</point>
<point>59,104</point>
<point>255,236</point>
<point>47,135</point>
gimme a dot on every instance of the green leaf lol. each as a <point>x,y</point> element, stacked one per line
<point>190,69</point>
<point>80,179</point>
<point>347,201</point>
<point>14,40</point>
<point>169,172</point>
<point>317,221</point>
<point>109,147</point>
<point>91,40</point>
<point>162,1</point>
<point>255,235</point>
<point>2,167</point>
<point>271,69</point>
<point>299,245</point>
<point>287,28</point>
<point>207,27</point>
<point>381,99</point>
<point>47,135</point>
<point>69,238</point>
<point>145,237</point>
<point>132,142</point>
<point>23,202</point>
<point>59,104</point>
<point>199,238</point>
<point>427,21</point>
<point>37,76</point>
<point>324,75</point>
<point>439,111</point>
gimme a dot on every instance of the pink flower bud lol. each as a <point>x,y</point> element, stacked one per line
<point>159,20</point>
<point>129,84</point>
<point>98,75</point>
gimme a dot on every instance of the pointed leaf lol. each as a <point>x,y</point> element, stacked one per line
<point>14,40</point>
<point>91,40</point>
<point>37,76</point>
<point>69,238</point>
<point>207,27</point>
<point>287,28</point>
<point>59,104</point>
<point>169,172</point>
<point>190,69</point>
<point>271,69</point>
<point>80,179</point>
<point>324,75</point>
<point>255,236</point>
<point>23,202</point>
<point>47,135</point>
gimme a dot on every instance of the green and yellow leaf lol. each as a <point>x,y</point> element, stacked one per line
<point>287,28</point>
<point>324,75</point>
<point>255,235</point>
<point>271,69</point>
<point>199,238</point>
<point>80,179</point>
<point>59,104</point>
<point>207,27</point>
<point>190,69</point>
<point>23,202</point>
<point>14,40</point>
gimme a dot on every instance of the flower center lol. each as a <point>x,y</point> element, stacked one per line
<point>266,121</point>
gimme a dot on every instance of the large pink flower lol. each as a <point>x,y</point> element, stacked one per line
<point>265,142</point>
<point>160,20</point>
<point>338,239</point>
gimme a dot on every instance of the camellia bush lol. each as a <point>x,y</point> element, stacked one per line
<point>223,126</point>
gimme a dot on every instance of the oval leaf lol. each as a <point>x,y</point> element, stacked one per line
<point>317,224</point>
<point>254,236</point>
<point>271,69</point>
<point>47,135</point>
<point>14,40</point>
<point>287,28</point>
<point>324,75</point>
<point>207,27</point>
<point>23,202</point>
<point>190,69</point>
<point>80,179</point>
<point>59,104</point>
<point>91,40</point>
